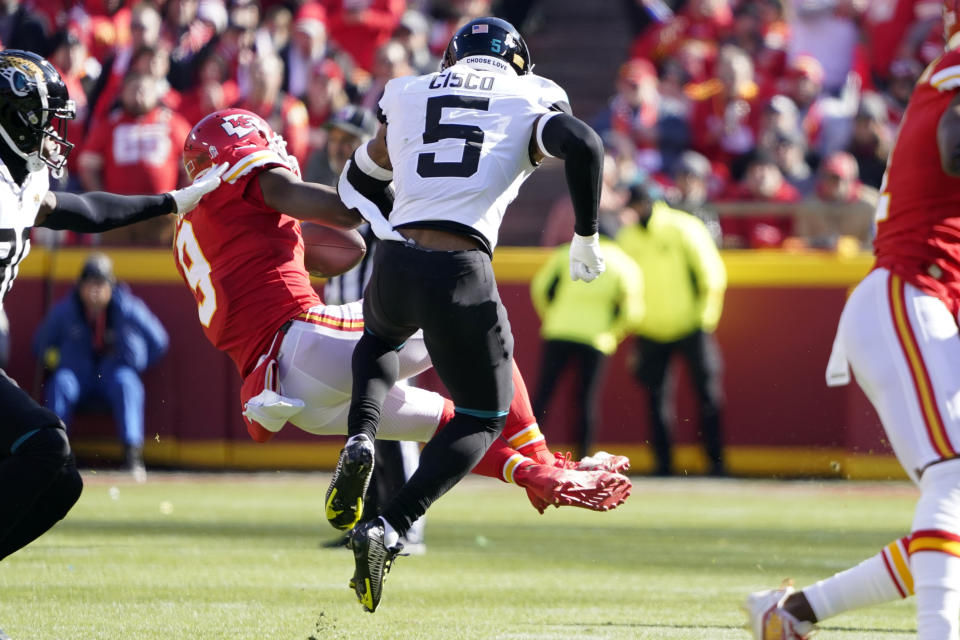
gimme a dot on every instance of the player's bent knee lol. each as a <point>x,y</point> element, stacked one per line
<point>66,490</point>
<point>47,447</point>
<point>492,425</point>
<point>492,428</point>
<point>497,424</point>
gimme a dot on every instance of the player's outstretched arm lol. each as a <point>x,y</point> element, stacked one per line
<point>284,191</point>
<point>948,138</point>
<point>101,211</point>
<point>560,135</point>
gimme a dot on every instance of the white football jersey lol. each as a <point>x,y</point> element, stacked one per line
<point>459,142</point>
<point>19,205</point>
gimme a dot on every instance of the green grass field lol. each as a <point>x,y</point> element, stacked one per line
<point>240,557</point>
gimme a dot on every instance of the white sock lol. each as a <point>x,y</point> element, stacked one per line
<point>390,536</point>
<point>933,553</point>
<point>934,618</point>
<point>938,600</point>
<point>866,584</point>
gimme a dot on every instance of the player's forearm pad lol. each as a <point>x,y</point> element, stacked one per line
<point>372,197</point>
<point>371,181</point>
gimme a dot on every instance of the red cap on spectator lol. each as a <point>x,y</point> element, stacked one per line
<point>841,164</point>
<point>310,16</point>
<point>329,69</point>
<point>637,69</point>
<point>807,67</point>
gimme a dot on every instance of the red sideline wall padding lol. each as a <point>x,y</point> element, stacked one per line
<point>776,332</point>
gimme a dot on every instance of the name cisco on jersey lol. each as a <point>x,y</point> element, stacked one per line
<point>449,79</point>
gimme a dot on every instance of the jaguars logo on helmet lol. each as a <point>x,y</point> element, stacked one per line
<point>34,110</point>
<point>17,78</point>
<point>489,37</point>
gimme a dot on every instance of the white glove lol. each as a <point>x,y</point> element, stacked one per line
<point>586,261</point>
<point>188,197</point>
<point>271,410</point>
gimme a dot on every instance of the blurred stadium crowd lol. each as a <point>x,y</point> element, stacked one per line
<point>769,119</point>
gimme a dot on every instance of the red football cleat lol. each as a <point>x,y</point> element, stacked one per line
<point>594,490</point>
<point>600,461</point>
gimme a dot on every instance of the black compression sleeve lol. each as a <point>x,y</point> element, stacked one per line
<point>581,149</point>
<point>101,211</point>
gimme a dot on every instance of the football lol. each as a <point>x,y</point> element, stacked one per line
<point>328,251</point>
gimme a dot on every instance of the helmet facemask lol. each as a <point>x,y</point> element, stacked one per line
<point>54,146</point>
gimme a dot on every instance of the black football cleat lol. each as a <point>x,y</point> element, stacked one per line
<point>373,561</point>
<point>344,501</point>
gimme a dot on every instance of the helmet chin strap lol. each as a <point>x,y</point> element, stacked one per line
<point>33,161</point>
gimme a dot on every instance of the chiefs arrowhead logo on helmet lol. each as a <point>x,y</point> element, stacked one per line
<point>232,135</point>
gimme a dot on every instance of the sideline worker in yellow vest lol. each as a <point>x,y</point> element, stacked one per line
<point>684,282</point>
<point>581,326</point>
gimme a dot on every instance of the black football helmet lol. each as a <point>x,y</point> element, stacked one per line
<point>488,37</point>
<point>34,109</point>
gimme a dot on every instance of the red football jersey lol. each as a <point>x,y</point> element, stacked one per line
<point>243,261</point>
<point>141,154</point>
<point>361,36</point>
<point>886,22</point>
<point>918,215</point>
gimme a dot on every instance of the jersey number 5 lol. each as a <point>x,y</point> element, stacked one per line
<point>434,131</point>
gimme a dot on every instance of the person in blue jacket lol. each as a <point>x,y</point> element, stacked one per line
<point>97,341</point>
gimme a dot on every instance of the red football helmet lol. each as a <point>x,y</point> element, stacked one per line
<point>213,138</point>
<point>951,20</point>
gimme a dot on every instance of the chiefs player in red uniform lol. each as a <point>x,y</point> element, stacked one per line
<point>898,333</point>
<point>243,260</point>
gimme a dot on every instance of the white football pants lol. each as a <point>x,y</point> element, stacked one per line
<point>904,350</point>
<point>315,366</point>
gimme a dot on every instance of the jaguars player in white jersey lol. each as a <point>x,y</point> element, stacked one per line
<point>39,481</point>
<point>456,146</point>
